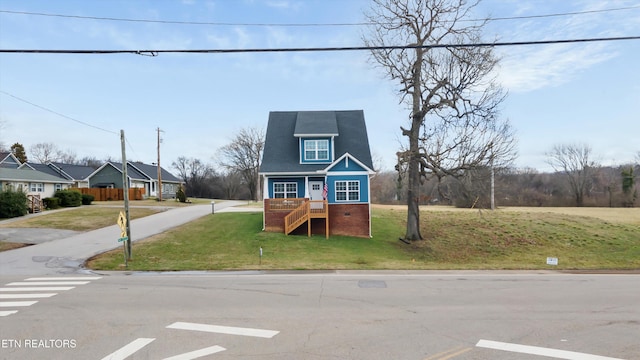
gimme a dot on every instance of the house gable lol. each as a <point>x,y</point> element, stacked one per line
<point>348,163</point>
<point>286,132</point>
<point>108,175</point>
<point>9,160</point>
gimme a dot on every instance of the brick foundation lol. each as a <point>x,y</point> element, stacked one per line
<point>349,219</point>
<point>344,219</point>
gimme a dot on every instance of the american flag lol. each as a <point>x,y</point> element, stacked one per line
<point>325,191</point>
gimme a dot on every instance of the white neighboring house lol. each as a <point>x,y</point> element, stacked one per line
<point>32,182</point>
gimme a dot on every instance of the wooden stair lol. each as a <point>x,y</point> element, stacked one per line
<point>304,213</point>
<point>35,204</point>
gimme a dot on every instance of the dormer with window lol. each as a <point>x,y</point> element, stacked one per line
<point>316,131</point>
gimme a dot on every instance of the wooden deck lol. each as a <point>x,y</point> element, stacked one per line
<point>301,211</point>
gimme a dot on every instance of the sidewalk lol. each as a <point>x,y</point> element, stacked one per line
<point>66,256</point>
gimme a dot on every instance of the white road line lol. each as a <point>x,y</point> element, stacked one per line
<point>224,329</point>
<point>45,283</point>
<point>198,353</point>
<point>7,313</point>
<point>125,351</point>
<point>79,278</point>
<point>534,350</point>
<point>16,303</point>
<point>26,296</point>
<point>44,288</point>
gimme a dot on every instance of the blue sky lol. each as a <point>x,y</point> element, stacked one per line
<point>573,93</point>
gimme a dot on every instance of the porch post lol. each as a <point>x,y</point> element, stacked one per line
<point>306,188</point>
<point>265,187</point>
<point>265,195</point>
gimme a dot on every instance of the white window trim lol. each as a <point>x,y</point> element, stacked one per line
<point>285,183</point>
<point>347,191</point>
<point>316,150</point>
<point>36,187</point>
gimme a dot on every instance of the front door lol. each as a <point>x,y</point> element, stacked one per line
<point>315,192</point>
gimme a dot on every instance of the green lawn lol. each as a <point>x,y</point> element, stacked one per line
<point>82,218</point>
<point>453,240</point>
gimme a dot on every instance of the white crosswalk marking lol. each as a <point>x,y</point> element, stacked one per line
<point>127,350</point>
<point>198,353</point>
<point>43,283</point>
<point>80,278</point>
<point>231,330</point>
<point>136,345</point>
<point>32,288</point>
<point>46,288</point>
<point>26,296</point>
<point>16,303</point>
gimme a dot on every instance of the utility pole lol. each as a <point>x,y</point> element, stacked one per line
<point>159,189</point>
<point>493,182</point>
<point>125,191</point>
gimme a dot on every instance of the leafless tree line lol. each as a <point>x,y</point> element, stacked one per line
<point>577,180</point>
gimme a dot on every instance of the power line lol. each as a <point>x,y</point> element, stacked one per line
<point>56,113</point>
<point>150,52</point>
<point>175,22</point>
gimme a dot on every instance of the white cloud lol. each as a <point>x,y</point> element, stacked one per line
<point>550,65</point>
<point>528,68</point>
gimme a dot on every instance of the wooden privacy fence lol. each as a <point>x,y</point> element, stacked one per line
<point>104,194</point>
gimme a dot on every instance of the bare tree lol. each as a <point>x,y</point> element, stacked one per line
<point>450,87</point>
<point>574,161</point>
<point>67,157</point>
<point>195,174</point>
<point>231,184</point>
<point>49,152</point>
<point>243,156</point>
<point>90,161</point>
<point>2,145</point>
<point>43,152</point>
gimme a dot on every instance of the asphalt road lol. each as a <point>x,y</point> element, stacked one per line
<point>332,315</point>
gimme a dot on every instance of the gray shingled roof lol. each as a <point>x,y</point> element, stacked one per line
<point>281,153</point>
<point>140,171</point>
<point>314,123</point>
<point>76,172</point>
<point>43,168</point>
<point>132,172</point>
<point>152,172</point>
<point>30,175</point>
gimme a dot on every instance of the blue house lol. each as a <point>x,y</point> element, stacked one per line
<point>316,168</point>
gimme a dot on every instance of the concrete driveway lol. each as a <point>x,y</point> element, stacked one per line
<point>64,251</point>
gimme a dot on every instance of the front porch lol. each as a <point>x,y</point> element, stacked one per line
<point>352,219</point>
<point>290,214</point>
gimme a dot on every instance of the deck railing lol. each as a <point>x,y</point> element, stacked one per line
<point>34,203</point>
<point>285,204</point>
<point>304,212</point>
